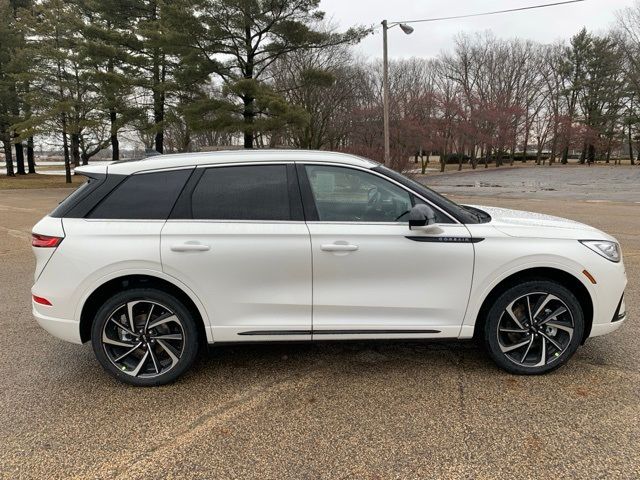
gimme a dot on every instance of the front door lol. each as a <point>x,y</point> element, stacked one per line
<point>237,238</point>
<point>372,276</point>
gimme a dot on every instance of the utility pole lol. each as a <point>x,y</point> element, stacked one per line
<point>385,84</point>
<point>385,94</point>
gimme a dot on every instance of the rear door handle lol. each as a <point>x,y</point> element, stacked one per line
<point>338,247</point>
<point>190,247</point>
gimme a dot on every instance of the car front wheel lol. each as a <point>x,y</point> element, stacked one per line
<point>534,327</point>
<point>144,337</point>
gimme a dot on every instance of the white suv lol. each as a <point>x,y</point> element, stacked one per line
<point>150,260</point>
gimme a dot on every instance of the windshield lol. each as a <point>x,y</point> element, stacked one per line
<point>459,212</point>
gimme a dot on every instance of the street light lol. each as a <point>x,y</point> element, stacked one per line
<point>385,84</point>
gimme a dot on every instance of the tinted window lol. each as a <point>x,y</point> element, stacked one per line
<point>146,196</point>
<point>252,192</point>
<point>82,191</point>
<point>349,195</point>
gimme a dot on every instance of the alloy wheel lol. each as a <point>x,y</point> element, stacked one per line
<point>535,329</point>
<point>143,338</point>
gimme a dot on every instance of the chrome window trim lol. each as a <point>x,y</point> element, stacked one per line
<point>205,220</point>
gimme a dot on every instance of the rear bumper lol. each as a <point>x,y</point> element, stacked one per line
<point>68,330</point>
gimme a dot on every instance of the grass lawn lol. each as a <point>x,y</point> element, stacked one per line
<point>37,181</point>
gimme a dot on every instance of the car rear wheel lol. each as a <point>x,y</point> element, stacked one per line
<point>534,327</point>
<point>144,337</point>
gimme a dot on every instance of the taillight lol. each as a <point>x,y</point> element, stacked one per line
<point>45,241</point>
<point>41,300</point>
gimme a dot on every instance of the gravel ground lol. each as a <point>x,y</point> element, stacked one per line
<point>346,410</point>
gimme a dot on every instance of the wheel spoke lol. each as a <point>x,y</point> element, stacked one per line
<point>128,352</point>
<point>143,360</point>
<point>169,336</point>
<point>552,341</point>
<point>513,315</point>
<point>146,324</point>
<point>169,350</point>
<point>130,315</point>
<point>553,315</point>
<point>170,317</point>
<point>543,354</point>
<point>117,343</point>
<point>543,303</point>
<point>513,347</point>
<point>153,358</point>
<point>526,352</point>
<point>120,326</point>
<point>514,330</point>
<point>529,309</point>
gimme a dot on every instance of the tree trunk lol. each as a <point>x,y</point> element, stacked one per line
<point>75,149</point>
<point>115,143</point>
<point>8,157</point>
<point>583,154</point>
<point>159,75</point>
<point>630,144</point>
<point>565,155</point>
<point>474,159</point>
<point>248,115</point>
<point>20,158</point>
<point>31,160</point>
<point>591,154</point>
<point>65,148</point>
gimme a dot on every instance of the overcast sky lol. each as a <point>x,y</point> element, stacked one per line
<point>543,25</point>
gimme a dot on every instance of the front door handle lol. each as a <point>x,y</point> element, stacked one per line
<point>190,247</point>
<point>338,247</point>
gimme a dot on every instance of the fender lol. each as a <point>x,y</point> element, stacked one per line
<point>481,289</point>
<point>149,273</point>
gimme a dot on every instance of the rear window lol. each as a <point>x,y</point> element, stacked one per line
<point>145,196</point>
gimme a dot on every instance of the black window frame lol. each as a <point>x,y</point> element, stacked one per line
<point>183,208</point>
<point>309,203</point>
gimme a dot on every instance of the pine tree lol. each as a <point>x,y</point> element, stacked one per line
<point>237,41</point>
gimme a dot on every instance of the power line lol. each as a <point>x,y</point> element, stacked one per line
<point>483,14</point>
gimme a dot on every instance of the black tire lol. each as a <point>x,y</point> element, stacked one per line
<point>556,338</point>
<point>165,331</point>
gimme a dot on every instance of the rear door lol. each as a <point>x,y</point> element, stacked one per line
<point>238,239</point>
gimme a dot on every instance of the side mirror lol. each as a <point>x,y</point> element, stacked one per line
<point>421,217</point>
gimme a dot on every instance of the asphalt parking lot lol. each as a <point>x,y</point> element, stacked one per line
<point>345,410</point>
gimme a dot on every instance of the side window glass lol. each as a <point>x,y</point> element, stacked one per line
<point>349,195</point>
<point>144,196</point>
<point>252,192</point>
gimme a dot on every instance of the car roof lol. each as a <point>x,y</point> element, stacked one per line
<point>160,162</point>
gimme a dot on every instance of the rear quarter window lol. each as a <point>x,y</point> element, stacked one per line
<point>143,196</point>
<point>76,196</point>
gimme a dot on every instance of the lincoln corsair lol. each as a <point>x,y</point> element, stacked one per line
<point>152,260</point>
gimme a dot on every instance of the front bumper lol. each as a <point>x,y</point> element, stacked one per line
<point>68,330</point>
<point>616,322</point>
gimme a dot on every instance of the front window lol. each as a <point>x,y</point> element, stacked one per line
<point>461,213</point>
<point>349,195</point>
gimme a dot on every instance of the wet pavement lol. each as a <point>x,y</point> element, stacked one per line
<point>614,183</point>
<point>343,410</point>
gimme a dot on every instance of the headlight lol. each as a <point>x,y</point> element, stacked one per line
<point>609,250</point>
